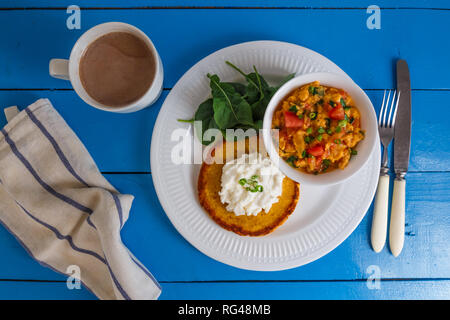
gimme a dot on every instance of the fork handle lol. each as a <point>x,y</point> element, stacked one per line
<point>397,225</point>
<point>380,214</point>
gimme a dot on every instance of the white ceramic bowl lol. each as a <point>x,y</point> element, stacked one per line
<point>364,147</point>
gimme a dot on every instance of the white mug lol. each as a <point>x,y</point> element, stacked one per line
<point>69,69</point>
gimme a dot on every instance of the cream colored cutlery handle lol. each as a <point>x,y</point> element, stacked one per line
<point>380,214</point>
<point>397,226</point>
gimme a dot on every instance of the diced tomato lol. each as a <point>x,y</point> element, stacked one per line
<point>327,107</point>
<point>291,120</point>
<point>315,162</point>
<point>316,151</point>
<point>337,113</point>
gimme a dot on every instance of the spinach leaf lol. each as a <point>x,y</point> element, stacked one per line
<point>234,105</point>
<point>205,114</point>
<point>230,108</point>
<point>238,87</point>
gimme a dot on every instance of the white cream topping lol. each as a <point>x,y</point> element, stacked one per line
<point>260,174</point>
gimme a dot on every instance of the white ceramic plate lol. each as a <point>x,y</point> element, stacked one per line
<point>324,217</point>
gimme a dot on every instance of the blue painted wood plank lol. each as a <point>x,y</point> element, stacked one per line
<point>151,237</point>
<point>395,290</point>
<point>227,4</point>
<point>327,290</point>
<point>18,290</point>
<point>121,142</point>
<point>31,37</point>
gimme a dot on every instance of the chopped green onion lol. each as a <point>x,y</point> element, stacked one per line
<point>320,101</point>
<point>293,108</point>
<point>343,102</point>
<point>329,131</point>
<point>342,123</point>
<point>321,130</point>
<point>309,130</point>
<point>337,141</point>
<point>353,152</point>
<point>291,160</point>
<point>337,130</point>
<point>312,90</point>
<point>304,154</point>
<point>313,115</point>
<point>352,119</point>
<point>254,177</point>
<point>332,103</point>
<point>307,139</point>
<point>319,137</point>
<point>242,181</point>
<point>260,188</point>
<point>300,116</point>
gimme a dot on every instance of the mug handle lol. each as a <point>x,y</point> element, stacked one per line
<point>59,68</point>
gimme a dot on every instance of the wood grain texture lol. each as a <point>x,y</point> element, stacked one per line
<point>288,4</point>
<point>152,238</point>
<point>121,142</point>
<point>36,36</point>
<point>326,290</point>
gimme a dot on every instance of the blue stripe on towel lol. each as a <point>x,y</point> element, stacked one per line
<point>38,179</point>
<point>145,271</point>
<point>69,167</point>
<point>55,145</point>
<point>69,239</point>
<point>119,207</point>
<point>63,237</point>
<point>39,261</point>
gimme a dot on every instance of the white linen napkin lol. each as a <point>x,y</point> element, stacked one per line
<point>54,200</point>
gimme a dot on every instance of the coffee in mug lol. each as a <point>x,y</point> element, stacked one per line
<point>117,69</point>
<point>114,67</point>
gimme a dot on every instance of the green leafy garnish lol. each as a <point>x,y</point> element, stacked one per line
<point>234,105</point>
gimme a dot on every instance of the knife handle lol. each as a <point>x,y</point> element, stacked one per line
<point>397,226</point>
<point>380,214</point>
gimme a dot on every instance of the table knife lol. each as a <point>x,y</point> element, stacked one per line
<point>402,142</point>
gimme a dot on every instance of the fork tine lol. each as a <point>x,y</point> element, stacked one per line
<point>389,122</point>
<point>396,108</point>
<point>385,108</point>
<point>382,108</point>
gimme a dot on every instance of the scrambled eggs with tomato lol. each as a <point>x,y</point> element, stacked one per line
<point>319,128</point>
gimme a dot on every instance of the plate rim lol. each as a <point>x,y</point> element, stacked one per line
<point>344,233</point>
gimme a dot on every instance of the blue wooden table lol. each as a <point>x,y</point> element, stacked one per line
<point>184,31</point>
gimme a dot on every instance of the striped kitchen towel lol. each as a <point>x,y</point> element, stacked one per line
<point>62,210</point>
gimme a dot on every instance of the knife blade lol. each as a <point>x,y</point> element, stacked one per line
<point>402,144</point>
<point>402,133</point>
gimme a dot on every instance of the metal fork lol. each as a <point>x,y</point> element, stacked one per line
<point>386,123</point>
